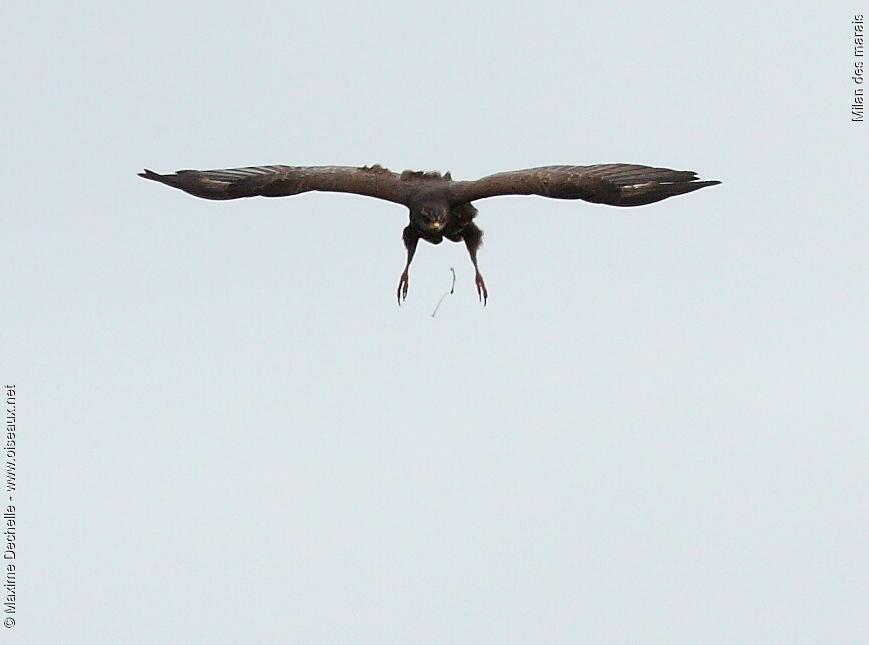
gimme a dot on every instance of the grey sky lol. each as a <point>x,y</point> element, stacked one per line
<point>654,433</point>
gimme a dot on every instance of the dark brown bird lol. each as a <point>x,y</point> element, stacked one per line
<point>440,207</point>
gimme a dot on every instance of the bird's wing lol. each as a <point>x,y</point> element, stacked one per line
<point>618,184</point>
<point>279,181</point>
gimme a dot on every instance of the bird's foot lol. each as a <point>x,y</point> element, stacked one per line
<point>482,292</point>
<point>403,283</point>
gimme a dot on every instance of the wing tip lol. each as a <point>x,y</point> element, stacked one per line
<point>150,174</point>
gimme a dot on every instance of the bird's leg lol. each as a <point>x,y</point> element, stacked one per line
<point>473,239</point>
<point>411,239</point>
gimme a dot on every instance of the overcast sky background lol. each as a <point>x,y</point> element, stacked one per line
<point>656,432</point>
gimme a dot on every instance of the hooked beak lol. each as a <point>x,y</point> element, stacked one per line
<point>437,225</point>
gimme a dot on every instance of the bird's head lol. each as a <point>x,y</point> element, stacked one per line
<point>430,216</point>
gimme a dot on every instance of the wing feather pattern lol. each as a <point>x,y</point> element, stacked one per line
<point>280,181</point>
<point>616,184</point>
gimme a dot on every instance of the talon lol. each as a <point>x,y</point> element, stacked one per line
<point>403,284</point>
<point>482,292</point>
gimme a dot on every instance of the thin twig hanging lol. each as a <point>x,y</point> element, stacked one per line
<point>448,293</point>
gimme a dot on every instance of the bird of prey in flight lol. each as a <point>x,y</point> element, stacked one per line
<point>439,206</point>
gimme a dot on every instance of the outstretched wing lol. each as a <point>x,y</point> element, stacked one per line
<point>279,181</point>
<point>617,184</point>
